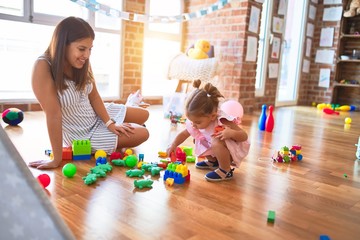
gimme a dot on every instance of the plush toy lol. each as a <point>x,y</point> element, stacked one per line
<point>200,49</point>
<point>354,9</point>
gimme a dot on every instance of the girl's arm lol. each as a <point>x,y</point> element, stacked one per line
<point>179,139</point>
<point>45,91</point>
<point>231,131</point>
<point>99,108</point>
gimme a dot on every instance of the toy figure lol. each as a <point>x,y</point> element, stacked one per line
<point>135,172</point>
<point>143,183</point>
<point>90,178</point>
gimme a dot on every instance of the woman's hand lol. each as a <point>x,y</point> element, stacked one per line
<point>44,164</point>
<point>122,129</point>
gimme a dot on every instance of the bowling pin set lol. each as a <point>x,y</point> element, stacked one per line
<point>266,123</point>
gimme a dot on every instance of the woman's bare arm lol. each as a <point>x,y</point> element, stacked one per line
<point>45,91</point>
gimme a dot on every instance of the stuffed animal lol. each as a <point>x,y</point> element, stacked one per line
<point>200,49</point>
<point>354,9</point>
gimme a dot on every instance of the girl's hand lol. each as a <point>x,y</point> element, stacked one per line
<point>170,149</point>
<point>122,129</point>
<point>224,134</point>
<point>44,164</point>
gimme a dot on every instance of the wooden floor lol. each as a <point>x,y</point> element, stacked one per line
<point>310,198</point>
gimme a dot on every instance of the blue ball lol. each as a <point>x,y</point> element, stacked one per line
<point>12,116</point>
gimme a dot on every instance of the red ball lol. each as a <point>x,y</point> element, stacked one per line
<point>44,180</point>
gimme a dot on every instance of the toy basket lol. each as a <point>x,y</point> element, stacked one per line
<point>184,68</point>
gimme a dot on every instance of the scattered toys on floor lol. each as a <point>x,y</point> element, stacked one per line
<point>288,155</point>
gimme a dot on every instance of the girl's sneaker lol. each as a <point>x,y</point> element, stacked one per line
<point>207,165</point>
<point>219,175</point>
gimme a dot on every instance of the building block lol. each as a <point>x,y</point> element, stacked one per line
<point>324,237</point>
<point>81,149</point>
<point>271,216</point>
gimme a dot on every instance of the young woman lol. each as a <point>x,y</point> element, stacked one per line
<point>64,85</point>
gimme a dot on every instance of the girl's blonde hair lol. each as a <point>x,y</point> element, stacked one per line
<point>203,101</point>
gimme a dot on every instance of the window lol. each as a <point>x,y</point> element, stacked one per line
<point>19,46</point>
<point>263,48</point>
<point>163,41</point>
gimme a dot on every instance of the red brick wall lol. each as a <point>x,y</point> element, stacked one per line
<point>133,35</point>
<point>226,29</point>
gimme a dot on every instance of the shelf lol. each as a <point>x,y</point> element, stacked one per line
<point>349,35</point>
<point>349,60</point>
<point>346,85</point>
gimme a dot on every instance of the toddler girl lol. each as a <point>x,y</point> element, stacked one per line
<point>217,136</point>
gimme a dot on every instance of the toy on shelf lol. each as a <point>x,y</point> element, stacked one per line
<point>200,50</point>
<point>287,155</point>
<point>81,149</point>
<point>143,183</point>
<point>354,9</point>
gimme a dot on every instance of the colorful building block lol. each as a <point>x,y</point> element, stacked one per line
<point>271,216</point>
<point>81,149</point>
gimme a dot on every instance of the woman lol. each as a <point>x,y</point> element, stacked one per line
<point>64,85</point>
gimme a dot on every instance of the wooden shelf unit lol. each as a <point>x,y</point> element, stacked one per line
<point>348,69</point>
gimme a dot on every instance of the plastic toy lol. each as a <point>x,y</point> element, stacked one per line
<point>262,118</point>
<point>100,153</point>
<point>162,154</point>
<point>200,49</point>
<point>269,124</point>
<point>128,151</point>
<point>324,237</point>
<point>12,116</point>
<point>143,183</point>
<point>330,111</point>
<point>271,216</point>
<point>105,167</point>
<point>169,182</point>
<point>90,178</point>
<point>81,149</point>
<point>233,108</point>
<point>98,171</point>
<point>66,153</point>
<point>135,172</point>
<point>44,180</point>
<point>141,157</point>
<point>115,155</point>
<point>155,170</point>
<point>347,120</point>
<point>178,172</point>
<point>190,159</point>
<point>118,162</point>
<point>180,155</point>
<point>69,170</point>
<point>131,161</point>
<point>286,155</point>
<point>101,160</point>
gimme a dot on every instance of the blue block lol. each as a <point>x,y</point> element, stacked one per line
<point>81,157</point>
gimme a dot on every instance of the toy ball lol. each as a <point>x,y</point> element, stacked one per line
<point>69,170</point>
<point>131,161</point>
<point>13,116</point>
<point>100,153</point>
<point>233,108</point>
<point>348,120</point>
<point>44,180</point>
<point>128,151</point>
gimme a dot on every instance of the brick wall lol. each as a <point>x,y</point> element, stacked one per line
<point>226,29</point>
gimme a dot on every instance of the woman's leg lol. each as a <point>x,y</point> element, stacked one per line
<point>136,115</point>
<point>140,135</point>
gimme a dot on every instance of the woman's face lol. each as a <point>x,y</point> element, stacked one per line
<point>78,52</point>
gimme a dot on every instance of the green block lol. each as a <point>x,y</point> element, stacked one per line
<point>81,147</point>
<point>271,216</point>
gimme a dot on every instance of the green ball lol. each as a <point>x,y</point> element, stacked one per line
<point>131,161</point>
<point>69,170</point>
